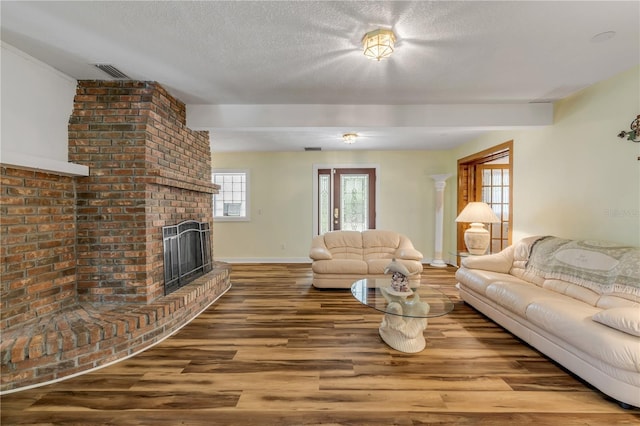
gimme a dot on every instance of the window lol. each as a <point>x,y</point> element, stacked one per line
<point>231,203</point>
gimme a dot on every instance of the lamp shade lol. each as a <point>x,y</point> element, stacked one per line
<point>349,138</point>
<point>477,212</point>
<point>477,237</point>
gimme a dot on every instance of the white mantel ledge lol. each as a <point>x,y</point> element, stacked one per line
<point>47,165</point>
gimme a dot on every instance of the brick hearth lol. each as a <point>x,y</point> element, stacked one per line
<point>82,264</point>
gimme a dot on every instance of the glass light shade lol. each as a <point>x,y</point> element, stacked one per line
<point>378,44</point>
<point>349,138</point>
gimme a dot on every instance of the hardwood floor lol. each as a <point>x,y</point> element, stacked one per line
<point>276,351</point>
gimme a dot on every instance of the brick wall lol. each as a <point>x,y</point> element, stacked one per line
<point>81,258</point>
<point>147,170</point>
<point>37,245</point>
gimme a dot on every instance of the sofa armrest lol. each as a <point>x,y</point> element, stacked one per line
<point>497,262</point>
<point>406,250</point>
<point>319,250</point>
<point>408,254</point>
<point>319,253</point>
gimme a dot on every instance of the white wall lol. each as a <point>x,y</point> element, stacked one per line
<point>577,179</point>
<point>37,102</point>
<point>282,190</point>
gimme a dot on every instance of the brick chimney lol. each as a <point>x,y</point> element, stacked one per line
<point>147,170</point>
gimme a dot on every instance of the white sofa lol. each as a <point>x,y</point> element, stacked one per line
<point>339,258</point>
<point>578,302</point>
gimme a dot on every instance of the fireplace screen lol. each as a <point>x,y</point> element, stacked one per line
<point>187,253</point>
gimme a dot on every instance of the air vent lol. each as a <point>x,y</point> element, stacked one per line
<point>312,148</point>
<point>112,71</point>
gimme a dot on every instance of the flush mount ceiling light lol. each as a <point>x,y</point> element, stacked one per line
<point>378,44</point>
<point>349,138</point>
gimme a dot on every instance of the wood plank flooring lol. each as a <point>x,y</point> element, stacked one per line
<point>276,351</point>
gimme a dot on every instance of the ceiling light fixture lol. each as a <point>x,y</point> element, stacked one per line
<point>349,138</point>
<point>378,44</point>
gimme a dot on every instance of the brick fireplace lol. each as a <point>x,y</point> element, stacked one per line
<point>82,257</point>
<point>147,171</point>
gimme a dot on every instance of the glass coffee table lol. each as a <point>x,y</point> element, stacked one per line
<point>405,314</point>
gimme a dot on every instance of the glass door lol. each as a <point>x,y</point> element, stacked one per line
<point>488,176</point>
<point>493,189</point>
<point>346,199</point>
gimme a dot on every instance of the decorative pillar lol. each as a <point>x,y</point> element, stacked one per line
<point>440,183</point>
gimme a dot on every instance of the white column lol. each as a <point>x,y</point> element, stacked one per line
<point>440,183</point>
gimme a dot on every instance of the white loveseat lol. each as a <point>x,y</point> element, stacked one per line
<point>342,257</point>
<point>578,302</point>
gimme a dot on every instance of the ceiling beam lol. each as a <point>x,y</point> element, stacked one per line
<point>462,116</point>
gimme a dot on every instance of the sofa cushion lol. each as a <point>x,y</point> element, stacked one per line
<point>380,244</point>
<point>516,296</point>
<point>571,321</point>
<point>344,244</point>
<point>478,280</point>
<point>607,302</point>
<point>340,266</point>
<point>626,320</point>
<point>572,290</point>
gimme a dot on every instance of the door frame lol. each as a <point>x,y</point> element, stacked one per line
<point>467,186</point>
<point>316,167</point>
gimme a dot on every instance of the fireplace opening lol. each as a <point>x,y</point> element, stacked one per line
<point>187,253</point>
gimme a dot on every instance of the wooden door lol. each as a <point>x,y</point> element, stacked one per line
<point>346,199</point>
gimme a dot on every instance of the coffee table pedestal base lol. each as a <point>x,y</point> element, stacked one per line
<point>405,312</point>
<point>403,334</point>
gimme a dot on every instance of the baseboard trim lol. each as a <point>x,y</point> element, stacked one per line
<point>425,263</point>
<point>264,259</point>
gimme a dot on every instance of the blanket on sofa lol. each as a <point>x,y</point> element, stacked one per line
<point>604,267</point>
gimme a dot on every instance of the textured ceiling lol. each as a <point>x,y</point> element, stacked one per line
<point>308,52</point>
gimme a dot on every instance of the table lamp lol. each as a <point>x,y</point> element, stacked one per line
<point>477,237</point>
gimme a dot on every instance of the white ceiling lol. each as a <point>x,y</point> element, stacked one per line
<point>265,54</point>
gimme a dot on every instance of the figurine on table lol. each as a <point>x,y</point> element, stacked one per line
<point>399,277</point>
